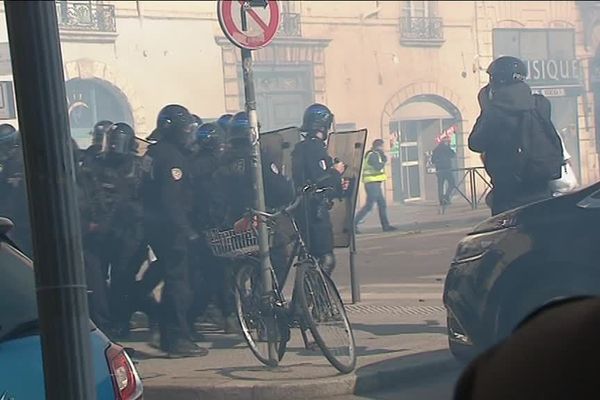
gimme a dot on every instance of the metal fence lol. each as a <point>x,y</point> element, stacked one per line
<point>421,28</point>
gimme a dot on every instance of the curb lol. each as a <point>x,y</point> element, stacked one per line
<point>374,377</point>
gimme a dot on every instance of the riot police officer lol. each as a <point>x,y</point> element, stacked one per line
<point>167,203</point>
<point>312,164</point>
<point>13,189</point>
<point>97,133</point>
<point>119,173</point>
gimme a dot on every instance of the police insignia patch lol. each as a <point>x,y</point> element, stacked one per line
<point>176,173</point>
<point>323,165</point>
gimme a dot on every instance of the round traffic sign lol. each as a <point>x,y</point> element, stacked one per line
<point>247,25</point>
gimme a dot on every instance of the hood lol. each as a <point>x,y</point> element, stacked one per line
<point>515,97</point>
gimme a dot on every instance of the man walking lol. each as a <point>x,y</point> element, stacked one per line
<point>442,159</point>
<point>373,177</point>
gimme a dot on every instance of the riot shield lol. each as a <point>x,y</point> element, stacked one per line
<point>278,145</point>
<point>348,147</point>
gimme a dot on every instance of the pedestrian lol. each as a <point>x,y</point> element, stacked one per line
<point>373,177</point>
<point>523,152</point>
<point>312,164</point>
<point>167,201</point>
<point>442,158</point>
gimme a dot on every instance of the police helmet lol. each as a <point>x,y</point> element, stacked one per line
<point>175,123</point>
<point>239,129</point>
<point>197,121</point>
<point>99,131</point>
<point>209,136</point>
<point>506,70</point>
<point>120,139</point>
<point>317,118</point>
<point>224,121</point>
<point>8,135</point>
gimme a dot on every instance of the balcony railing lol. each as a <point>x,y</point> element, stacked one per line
<point>86,16</point>
<point>290,24</point>
<point>425,31</point>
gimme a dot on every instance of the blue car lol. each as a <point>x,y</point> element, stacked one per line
<point>21,369</point>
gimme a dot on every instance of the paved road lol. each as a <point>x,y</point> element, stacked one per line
<point>430,388</point>
<point>401,267</point>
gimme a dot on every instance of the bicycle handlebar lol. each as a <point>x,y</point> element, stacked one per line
<point>291,207</point>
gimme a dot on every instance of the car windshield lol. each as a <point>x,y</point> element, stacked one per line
<point>18,307</point>
<point>455,146</point>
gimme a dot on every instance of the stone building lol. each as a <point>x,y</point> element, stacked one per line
<point>406,70</point>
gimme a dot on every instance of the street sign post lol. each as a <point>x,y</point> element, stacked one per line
<point>251,25</point>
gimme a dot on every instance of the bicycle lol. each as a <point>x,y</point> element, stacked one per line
<point>266,320</point>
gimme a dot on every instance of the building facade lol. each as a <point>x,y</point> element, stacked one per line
<point>406,70</point>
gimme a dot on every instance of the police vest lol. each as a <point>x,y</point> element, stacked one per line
<point>370,174</point>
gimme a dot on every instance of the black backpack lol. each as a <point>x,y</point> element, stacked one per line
<point>540,155</point>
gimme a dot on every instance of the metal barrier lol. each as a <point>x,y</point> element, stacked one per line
<point>471,175</point>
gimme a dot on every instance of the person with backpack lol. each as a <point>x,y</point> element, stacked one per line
<point>521,149</point>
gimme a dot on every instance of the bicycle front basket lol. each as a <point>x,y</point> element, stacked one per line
<point>231,244</point>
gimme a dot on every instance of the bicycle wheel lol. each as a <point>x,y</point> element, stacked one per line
<point>325,315</point>
<point>254,321</point>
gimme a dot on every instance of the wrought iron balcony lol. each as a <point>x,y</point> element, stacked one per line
<point>290,24</point>
<point>86,16</point>
<point>421,31</point>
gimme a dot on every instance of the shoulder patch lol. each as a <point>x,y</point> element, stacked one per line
<point>274,169</point>
<point>176,173</point>
<point>323,165</point>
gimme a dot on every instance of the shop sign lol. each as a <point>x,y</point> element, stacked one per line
<point>553,72</point>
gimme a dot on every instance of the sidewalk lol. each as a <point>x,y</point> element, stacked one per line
<point>394,344</point>
<point>426,215</point>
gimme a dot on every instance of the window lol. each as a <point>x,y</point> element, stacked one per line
<point>418,9</point>
<point>535,44</point>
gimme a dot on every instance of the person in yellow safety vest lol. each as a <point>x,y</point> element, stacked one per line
<point>373,177</point>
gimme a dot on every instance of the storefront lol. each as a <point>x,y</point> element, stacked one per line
<point>414,128</point>
<point>554,71</point>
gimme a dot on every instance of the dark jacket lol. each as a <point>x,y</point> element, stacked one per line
<point>497,130</point>
<point>376,159</point>
<point>234,184</point>
<point>442,157</point>
<point>167,188</point>
<point>311,163</point>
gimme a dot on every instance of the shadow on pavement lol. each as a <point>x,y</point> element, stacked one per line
<point>430,326</point>
<point>397,371</point>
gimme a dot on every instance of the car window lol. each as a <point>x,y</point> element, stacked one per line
<point>17,289</point>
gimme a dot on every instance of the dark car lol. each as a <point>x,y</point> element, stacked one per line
<point>517,262</point>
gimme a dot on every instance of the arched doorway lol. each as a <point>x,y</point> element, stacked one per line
<point>413,129</point>
<point>93,100</point>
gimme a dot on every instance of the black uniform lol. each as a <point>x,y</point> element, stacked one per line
<point>13,197</point>
<point>120,178</point>
<point>442,159</point>
<point>167,199</point>
<point>93,235</point>
<point>311,163</point>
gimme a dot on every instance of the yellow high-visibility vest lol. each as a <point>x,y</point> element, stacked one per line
<point>371,174</point>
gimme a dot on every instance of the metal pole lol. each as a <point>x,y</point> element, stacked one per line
<point>43,120</point>
<point>259,199</point>
<point>353,276</point>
